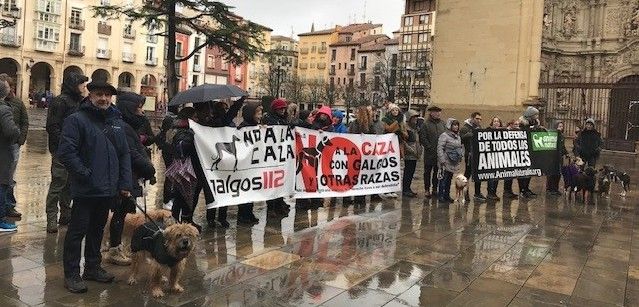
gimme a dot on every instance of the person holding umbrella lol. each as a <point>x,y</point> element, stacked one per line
<point>211,110</point>
<point>215,114</point>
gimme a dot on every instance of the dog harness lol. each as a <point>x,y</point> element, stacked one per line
<point>150,237</point>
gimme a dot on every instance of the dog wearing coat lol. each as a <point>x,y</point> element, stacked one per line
<point>461,187</point>
<point>167,250</point>
<point>131,222</point>
<point>585,183</point>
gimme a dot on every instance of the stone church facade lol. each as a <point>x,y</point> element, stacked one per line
<point>590,64</point>
<point>590,39</point>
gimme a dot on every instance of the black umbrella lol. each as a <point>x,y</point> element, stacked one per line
<point>207,92</point>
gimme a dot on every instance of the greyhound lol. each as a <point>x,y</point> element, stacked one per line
<point>311,155</point>
<point>228,147</point>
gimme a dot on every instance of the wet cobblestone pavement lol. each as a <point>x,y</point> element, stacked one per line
<point>545,251</point>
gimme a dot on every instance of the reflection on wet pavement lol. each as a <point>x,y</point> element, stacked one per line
<point>545,251</point>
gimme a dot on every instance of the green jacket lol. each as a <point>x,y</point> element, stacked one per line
<point>20,117</point>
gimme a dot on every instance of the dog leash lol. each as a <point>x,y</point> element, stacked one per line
<point>146,214</point>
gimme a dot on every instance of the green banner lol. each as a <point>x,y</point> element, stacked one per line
<point>544,141</point>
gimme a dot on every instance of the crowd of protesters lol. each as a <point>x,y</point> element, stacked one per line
<point>101,160</point>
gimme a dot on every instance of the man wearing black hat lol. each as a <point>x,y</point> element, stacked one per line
<point>429,134</point>
<point>94,150</point>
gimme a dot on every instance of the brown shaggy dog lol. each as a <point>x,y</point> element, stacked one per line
<point>131,222</point>
<point>167,251</point>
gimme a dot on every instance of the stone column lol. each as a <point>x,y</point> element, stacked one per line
<point>56,78</point>
<point>591,20</point>
<point>137,81</point>
<point>602,21</point>
<point>19,85</point>
<point>25,81</point>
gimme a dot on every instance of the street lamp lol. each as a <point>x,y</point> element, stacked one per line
<point>410,86</point>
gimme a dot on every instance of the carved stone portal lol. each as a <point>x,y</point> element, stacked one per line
<point>631,27</point>
<point>569,25</point>
<point>569,54</point>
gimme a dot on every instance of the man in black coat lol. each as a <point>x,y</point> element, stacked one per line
<point>277,116</point>
<point>588,143</point>
<point>21,119</point>
<point>9,133</point>
<point>94,150</point>
<point>428,136</point>
<point>466,133</point>
<point>67,103</point>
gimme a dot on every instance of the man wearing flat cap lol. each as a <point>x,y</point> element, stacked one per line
<point>429,134</point>
<point>94,150</point>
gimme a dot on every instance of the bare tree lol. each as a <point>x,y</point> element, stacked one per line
<point>387,72</point>
<point>331,93</point>
<point>349,93</point>
<point>315,92</point>
<point>239,40</point>
<point>271,78</point>
<point>295,89</point>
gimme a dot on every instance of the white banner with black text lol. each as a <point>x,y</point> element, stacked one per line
<point>258,163</point>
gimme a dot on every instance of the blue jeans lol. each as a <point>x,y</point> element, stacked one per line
<point>3,202</point>
<point>444,184</point>
<point>11,198</point>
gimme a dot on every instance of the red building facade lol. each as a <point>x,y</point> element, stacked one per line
<point>181,50</point>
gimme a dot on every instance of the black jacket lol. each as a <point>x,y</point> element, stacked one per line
<point>9,133</point>
<point>429,136</point>
<point>141,165</point>
<point>94,150</point>
<point>146,132</point>
<point>62,106</point>
<point>561,144</point>
<point>151,239</point>
<point>588,144</point>
<point>224,118</point>
<point>273,119</point>
<point>248,114</point>
<point>466,133</point>
<point>20,116</point>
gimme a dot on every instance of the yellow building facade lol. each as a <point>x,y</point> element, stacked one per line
<point>487,56</point>
<point>314,53</point>
<point>258,66</point>
<point>54,37</point>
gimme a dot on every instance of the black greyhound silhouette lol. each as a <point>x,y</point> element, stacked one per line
<point>228,147</point>
<point>311,155</point>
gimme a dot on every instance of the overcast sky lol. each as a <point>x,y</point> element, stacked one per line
<point>284,15</point>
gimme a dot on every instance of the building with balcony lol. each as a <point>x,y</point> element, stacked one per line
<point>313,49</point>
<point>259,66</point>
<point>376,75</point>
<point>196,71</point>
<point>284,51</point>
<point>415,36</point>
<point>344,59</point>
<point>61,37</point>
<point>216,68</point>
<point>182,47</point>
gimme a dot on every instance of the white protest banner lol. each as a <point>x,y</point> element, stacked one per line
<point>337,165</point>
<point>246,165</point>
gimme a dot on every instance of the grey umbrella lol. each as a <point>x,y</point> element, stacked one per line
<point>207,92</point>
